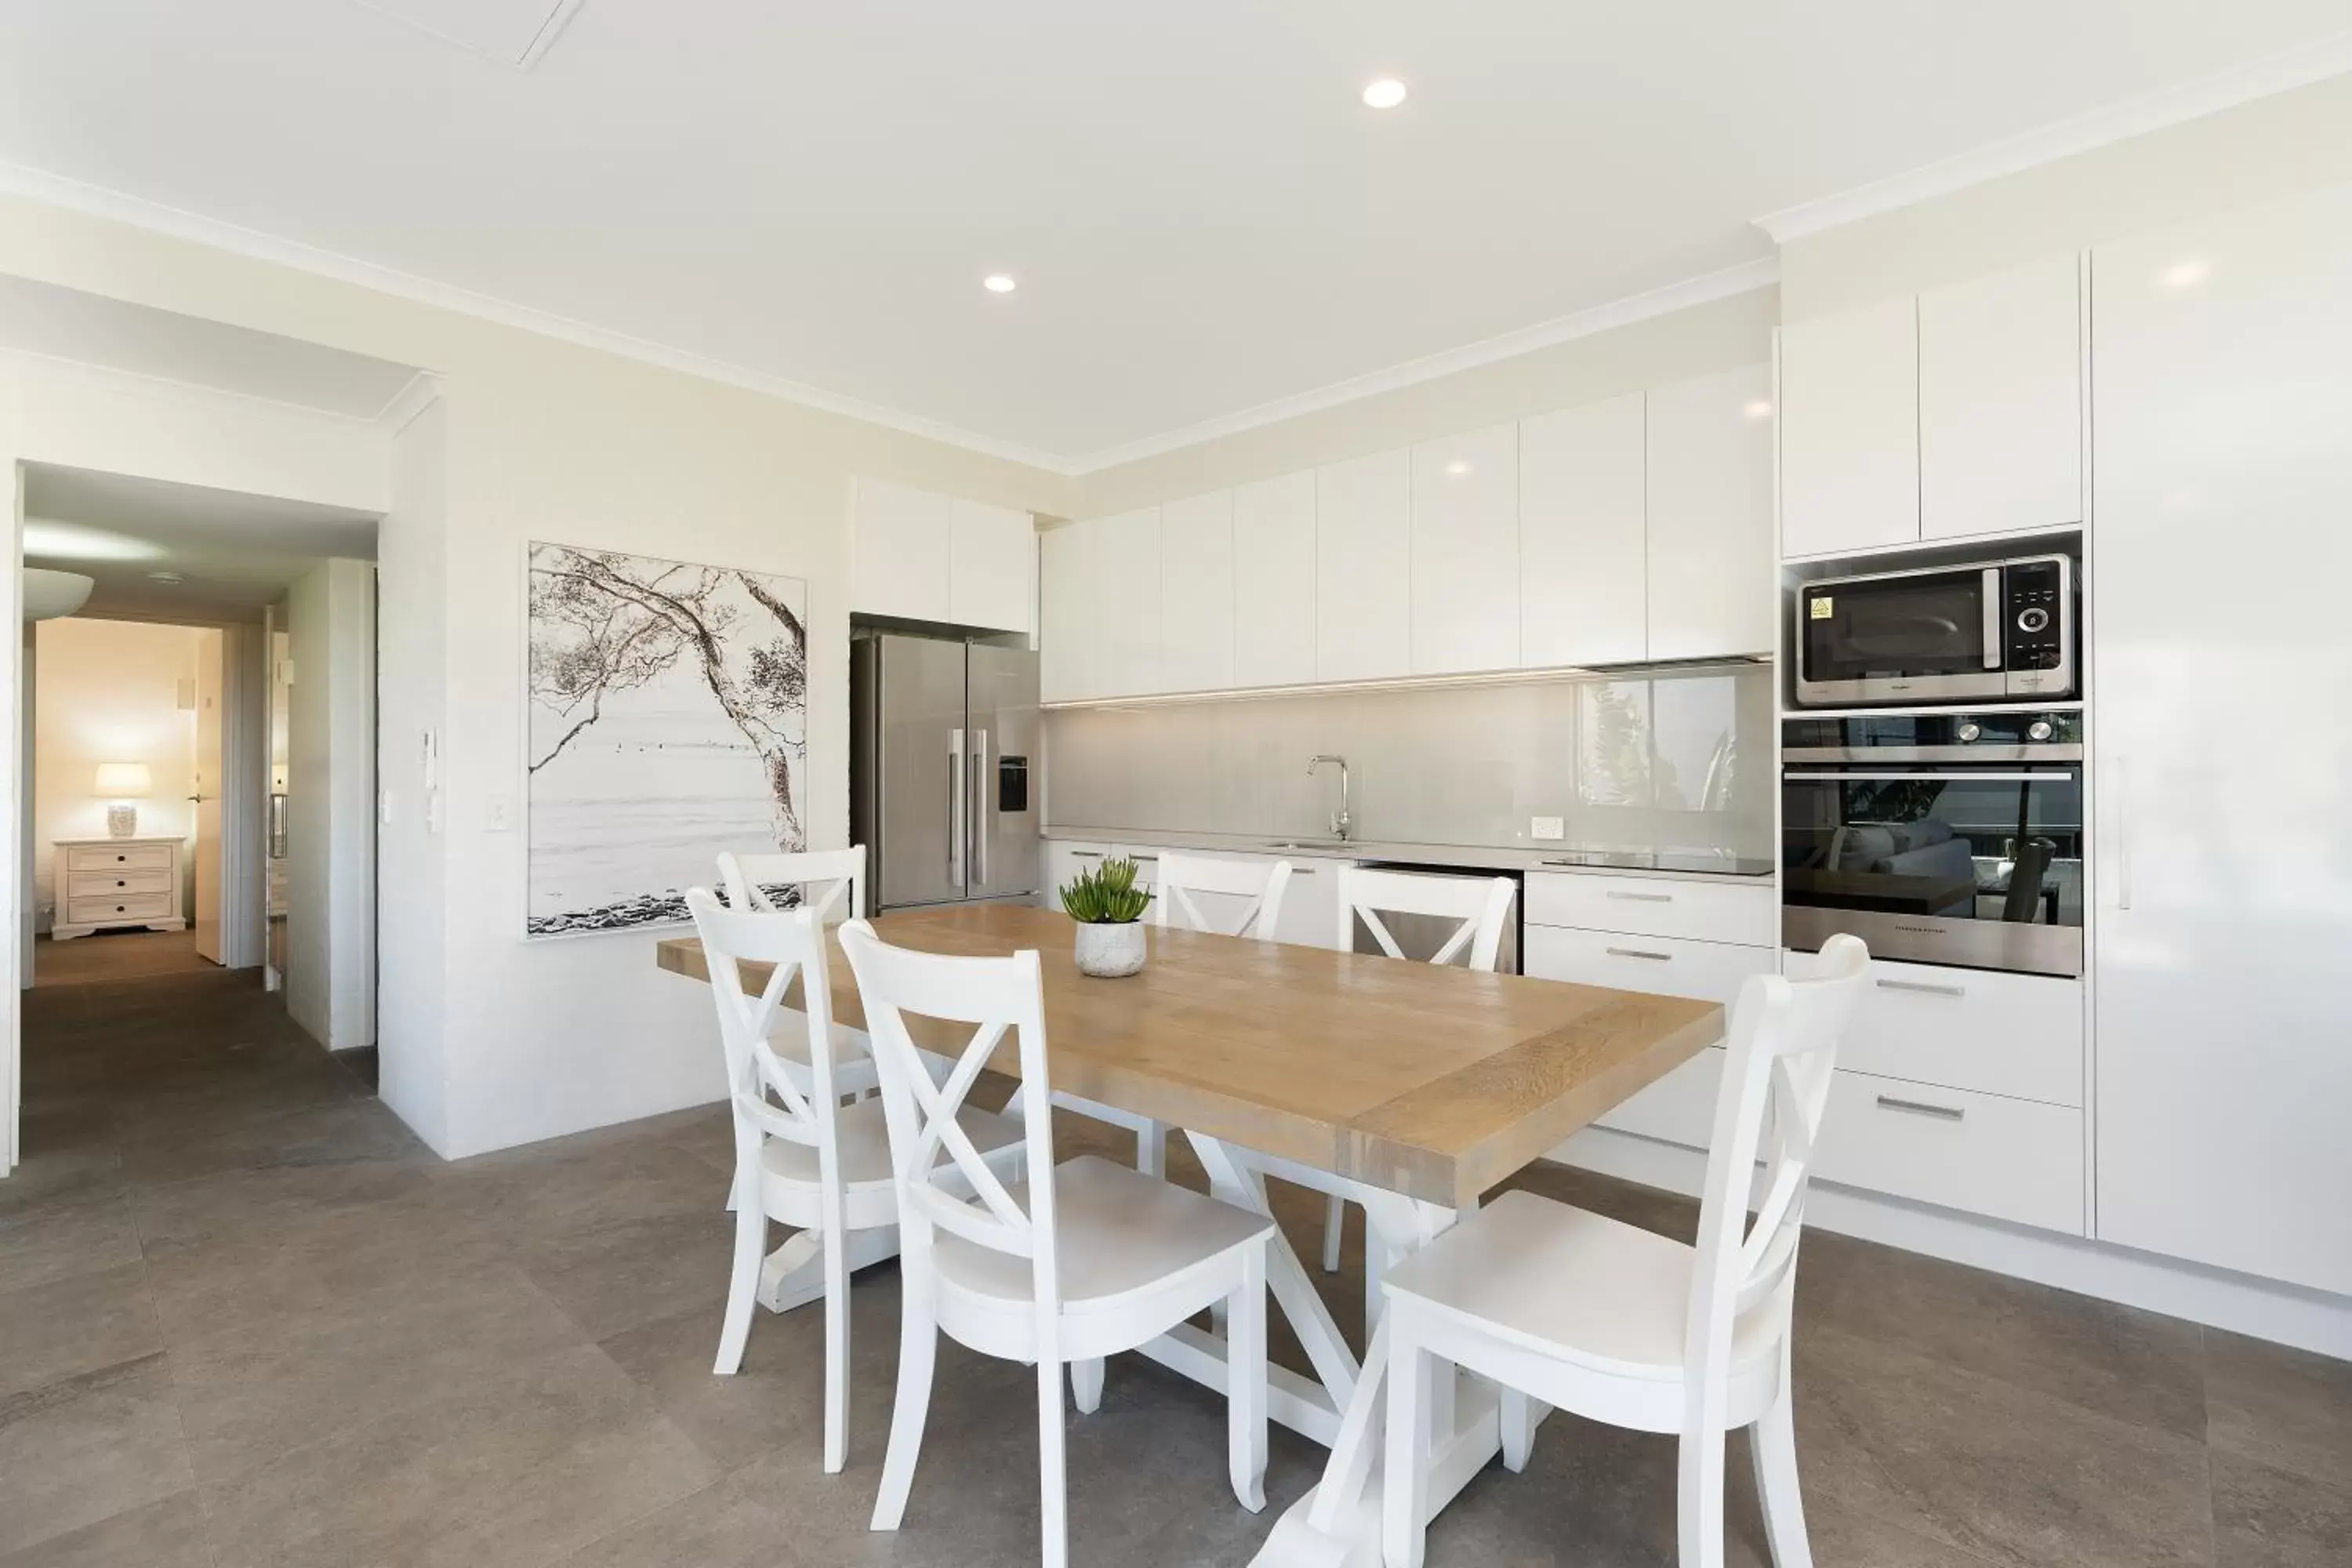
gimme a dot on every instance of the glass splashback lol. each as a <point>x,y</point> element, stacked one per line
<point>1650,760</point>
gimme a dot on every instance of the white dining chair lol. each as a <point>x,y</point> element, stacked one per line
<point>1623,1326</point>
<point>1482,905</point>
<point>802,1158</point>
<point>832,886</point>
<point>1078,1262</point>
<point>1175,904</point>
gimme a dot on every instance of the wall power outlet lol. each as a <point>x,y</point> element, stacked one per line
<point>1548,828</point>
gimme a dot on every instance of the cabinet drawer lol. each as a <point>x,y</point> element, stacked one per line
<point>128,907</point>
<point>2009,1159</point>
<point>113,885</point>
<point>2014,1034</point>
<point>99,857</point>
<point>1657,906</point>
<point>1669,966</point>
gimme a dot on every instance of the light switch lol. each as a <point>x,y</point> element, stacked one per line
<point>1548,827</point>
<point>500,817</point>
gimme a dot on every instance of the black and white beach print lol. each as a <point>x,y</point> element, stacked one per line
<point>669,723</point>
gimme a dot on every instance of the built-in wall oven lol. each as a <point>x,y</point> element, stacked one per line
<point>1946,837</point>
<point>1987,631</point>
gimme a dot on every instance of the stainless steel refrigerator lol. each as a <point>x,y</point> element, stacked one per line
<point>942,790</point>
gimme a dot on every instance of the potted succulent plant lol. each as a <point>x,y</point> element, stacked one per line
<point>1109,908</point>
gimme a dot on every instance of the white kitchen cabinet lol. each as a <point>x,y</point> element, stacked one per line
<point>2222,848</point>
<point>1196,594</point>
<point>1065,859</point>
<point>2001,402</point>
<point>1745,912</point>
<point>1069,614</point>
<point>1128,584</point>
<point>1363,568</point>
<point>1710,577</point>
<point>1583,590</point>
<point>1274,582</point>
<point>2015,1035</point>
<point>899,554</point>
<point>1849,424</point>
<point>1465,552</point>
<point>2007,1159</point>
<point>991,567</point>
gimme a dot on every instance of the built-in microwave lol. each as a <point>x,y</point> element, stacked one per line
<point>1984,631</point>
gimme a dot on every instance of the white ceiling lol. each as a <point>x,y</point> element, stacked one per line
<point>236,552</point>
<point>66,323</point>
<point>1202,217</point>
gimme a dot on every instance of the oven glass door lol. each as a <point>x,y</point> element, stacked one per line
<point>1911,628</point>
<point>1978,867</point>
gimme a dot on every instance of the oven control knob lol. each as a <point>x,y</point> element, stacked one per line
<point>1968,731</point>
<point>2032,619</point>
<point>2039,730</point>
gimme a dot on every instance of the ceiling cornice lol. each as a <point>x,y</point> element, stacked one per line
<point>1749,276</point>
<point>2282,72</point>
<point>421,393</point>
<point>96,201</point>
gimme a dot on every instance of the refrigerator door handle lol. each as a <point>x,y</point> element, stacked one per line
<point>983,813</point>
<point>955,809</point>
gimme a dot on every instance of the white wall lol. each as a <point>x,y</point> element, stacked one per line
<point>2255,152</point>
<point>109,691</point>
<point>540,439</point>
<point>330,965</point>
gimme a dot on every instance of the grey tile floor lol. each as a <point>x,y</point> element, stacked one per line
<point>246,1319</point>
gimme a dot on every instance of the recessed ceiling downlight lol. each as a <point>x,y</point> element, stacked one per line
<point>1383,92</point>
<point>999,283</point>
<point>168,579</point>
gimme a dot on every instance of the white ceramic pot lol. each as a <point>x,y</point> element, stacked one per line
<point>1108,952</point>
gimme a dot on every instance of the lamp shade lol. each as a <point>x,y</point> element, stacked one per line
<point>51,593</point>
<point>122,781</point>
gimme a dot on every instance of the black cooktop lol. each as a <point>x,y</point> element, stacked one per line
<point>1706,862</point>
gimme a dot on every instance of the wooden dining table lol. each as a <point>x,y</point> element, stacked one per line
<point>1412,1088</point>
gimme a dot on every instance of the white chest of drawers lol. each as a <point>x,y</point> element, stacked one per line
<point>108,882</point>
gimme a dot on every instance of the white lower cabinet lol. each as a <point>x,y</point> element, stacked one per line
<point>1747,913</point>
<point>1670,966</point>
<point>2009,1159</point>
<point>2014,1034</point>
<point>1064,860</point>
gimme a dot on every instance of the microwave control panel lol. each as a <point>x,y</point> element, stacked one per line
<point>2032,595</point>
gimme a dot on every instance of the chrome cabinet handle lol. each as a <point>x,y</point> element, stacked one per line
<point>956,828</point>
<point>979,814</point>
<point>1921,1108</point>
<point>1085,854</point>
<point>1923,987</point>
<point>1639,952</point>
<point>1640,897</point>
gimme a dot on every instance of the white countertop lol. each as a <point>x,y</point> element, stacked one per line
<point>1532,857</point>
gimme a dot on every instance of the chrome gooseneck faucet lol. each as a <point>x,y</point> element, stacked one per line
<point>1341,821</point>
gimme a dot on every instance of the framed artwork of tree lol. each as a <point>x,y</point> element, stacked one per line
<point>669,721</point>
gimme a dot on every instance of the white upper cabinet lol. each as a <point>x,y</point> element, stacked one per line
<point>1710,513</point>
<point>1127,586</point>
<point>1582,590</point>
<point>1849,431</point>
<point>919,556</point>
<point>898,552</point>
<point>1274,582</point>
<point>1363,568</point>
<point>1196,594</point>
<point>1069,620</point>
<point>2001,403</point>
<point>1465,552</point>
<point>991,567</point>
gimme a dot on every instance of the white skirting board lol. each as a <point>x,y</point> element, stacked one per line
<point>2239,1304</point>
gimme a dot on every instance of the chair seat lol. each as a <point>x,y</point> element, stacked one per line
<point>864,1141</point>
<point>1577,1286</point>
<point>1117,1231</point>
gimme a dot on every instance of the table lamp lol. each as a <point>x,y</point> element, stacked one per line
<point>119,784</point>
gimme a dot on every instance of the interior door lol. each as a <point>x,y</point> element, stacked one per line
<point>205,850</point>
<point>921,741</point>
